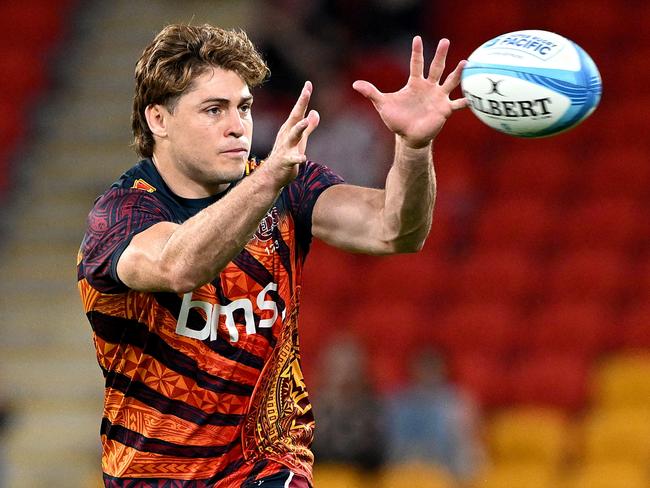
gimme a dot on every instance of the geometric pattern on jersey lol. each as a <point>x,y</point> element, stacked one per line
<point>203,389</point>
<point>280,418</point>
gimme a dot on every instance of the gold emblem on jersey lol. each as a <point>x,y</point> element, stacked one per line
<point>140,184</point>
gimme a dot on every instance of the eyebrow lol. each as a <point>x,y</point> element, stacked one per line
<point>226,100</point>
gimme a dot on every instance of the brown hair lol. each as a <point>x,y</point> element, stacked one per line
<point>176,56</point>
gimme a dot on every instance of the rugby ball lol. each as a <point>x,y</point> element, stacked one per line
<point>531,83</point>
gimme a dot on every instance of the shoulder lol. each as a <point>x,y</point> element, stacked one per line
<point>137,188</point>
<point>126,209</point>
<point>119,200</point>
<point>312,171</point>
<point>313,178</point>
<point>143,177</point>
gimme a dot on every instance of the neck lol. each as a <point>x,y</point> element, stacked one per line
<point>180,183</point>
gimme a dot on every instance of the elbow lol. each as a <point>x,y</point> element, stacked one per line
<point>179,280</point>
<point>409,242</point>
<point>182,286</point>
<point>182,277</point>
<point>407,246</point>
<point>406,237</point>
<point>401,246</point>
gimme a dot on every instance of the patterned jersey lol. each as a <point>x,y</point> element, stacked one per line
<point>202,389</point>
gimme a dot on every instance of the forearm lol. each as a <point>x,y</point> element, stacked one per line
<point>203,245</point>
<point>409,197</point>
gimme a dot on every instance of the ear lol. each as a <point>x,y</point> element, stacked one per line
<point>156,116</point>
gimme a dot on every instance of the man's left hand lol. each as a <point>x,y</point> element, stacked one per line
<point>418,111</point>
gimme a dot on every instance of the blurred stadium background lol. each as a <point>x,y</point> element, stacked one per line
<point>534,285</point>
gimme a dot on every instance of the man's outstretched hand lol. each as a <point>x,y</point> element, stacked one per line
<point>418,110</point>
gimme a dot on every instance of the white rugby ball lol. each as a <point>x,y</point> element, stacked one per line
<point>531,83</point>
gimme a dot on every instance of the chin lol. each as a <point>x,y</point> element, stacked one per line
<point>232,171</point>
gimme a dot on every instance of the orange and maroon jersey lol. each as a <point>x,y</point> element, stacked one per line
<point>202,389</point>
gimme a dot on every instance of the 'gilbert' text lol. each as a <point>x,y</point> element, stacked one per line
<point>510,108</point>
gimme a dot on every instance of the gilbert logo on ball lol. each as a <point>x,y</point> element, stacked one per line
<point>531,83</point>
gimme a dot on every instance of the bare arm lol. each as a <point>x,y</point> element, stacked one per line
<point>398,218</point>
<point>180,258</point>
<point>386,221</point>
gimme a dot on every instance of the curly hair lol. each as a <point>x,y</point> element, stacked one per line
<point>178,55</point>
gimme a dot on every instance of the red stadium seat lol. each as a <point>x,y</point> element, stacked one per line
<point>320,320</point>
<point>388,369</point>
<point>381,67</point>
<point>551,379</point>
<point>594,25</point>
<point>602,223</point>
<point>641,277</point>
<point>36,24</point>
<point>334,274</point>
<point>422,279</point>
<point>628,67</point>
<point>23,76</point>
<point>485,376</point>
<point>501,275</point>
<point>483,22</point>
<point>458,174</point>
<point>634,333</point>
<point>388,325</point>
<point>541,170</point>
<point>523,223</point>
<point>390,331</point>
<point>12,123</point>
<point>599,275</point>
<point>465,130</point>
<point>622,123</point>
<point>581,328</point>
<point>478,328</point>
<point>619,171</point>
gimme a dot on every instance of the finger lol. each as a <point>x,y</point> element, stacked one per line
<point>417,58</point>
<point>438,63</point>
<point>299,109</point>
<point>304,127</point>
<point>313,119</point>
<point>368,90</point>
<point>459,103</point>
<point>296,131</point>
<point>453,79</point>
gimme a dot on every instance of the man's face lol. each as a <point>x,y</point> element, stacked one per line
<point>210,128</point>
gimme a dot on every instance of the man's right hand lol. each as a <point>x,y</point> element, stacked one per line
<point>291,142</point>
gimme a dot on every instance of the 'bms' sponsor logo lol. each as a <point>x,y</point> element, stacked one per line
<point>214,311</point>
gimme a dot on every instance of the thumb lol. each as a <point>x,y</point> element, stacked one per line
<point>368,90</point>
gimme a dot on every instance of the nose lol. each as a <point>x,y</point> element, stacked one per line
<point>235,126</point>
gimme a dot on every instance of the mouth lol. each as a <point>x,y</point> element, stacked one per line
<point>236,152</point>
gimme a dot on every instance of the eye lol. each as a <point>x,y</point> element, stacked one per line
<point>213,110</point>
<point>246,108</point>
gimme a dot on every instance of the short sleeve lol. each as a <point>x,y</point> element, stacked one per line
<point>117,216</point>
<point>312,180</point>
